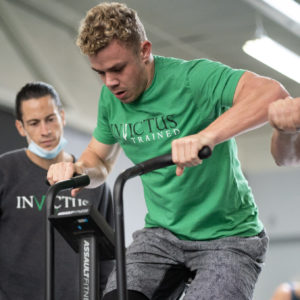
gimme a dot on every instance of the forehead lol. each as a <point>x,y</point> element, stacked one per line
<point>38,108</point>
<point>115,53</point>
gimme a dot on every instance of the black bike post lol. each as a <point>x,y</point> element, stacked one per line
<point>139,169</point>
<point>74,182</point>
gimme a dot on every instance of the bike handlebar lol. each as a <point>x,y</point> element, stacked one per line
<point>139,169</point>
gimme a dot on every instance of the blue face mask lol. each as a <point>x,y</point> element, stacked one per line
<point>47,154</point>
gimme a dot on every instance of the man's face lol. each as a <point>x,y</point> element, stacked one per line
<point>42,122</point>
<point>122,69</point>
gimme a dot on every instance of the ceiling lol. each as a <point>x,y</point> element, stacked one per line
<point>37,42</point>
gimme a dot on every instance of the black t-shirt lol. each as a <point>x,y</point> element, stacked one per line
<point>22,232</point>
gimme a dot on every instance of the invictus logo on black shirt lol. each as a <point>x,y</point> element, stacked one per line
<point>147,130</point>
<point>32,202</point>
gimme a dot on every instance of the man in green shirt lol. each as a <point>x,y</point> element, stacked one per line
<point>201,215</point>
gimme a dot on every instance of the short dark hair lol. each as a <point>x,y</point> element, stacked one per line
<point>35,90</point>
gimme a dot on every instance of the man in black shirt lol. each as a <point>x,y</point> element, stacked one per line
<point>40,119</point>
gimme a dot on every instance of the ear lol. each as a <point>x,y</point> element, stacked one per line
<point>146,49</point>
<point>62,115</point>
<point>20,128</point>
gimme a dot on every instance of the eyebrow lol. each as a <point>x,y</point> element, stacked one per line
<point>97,71</point>
<point>35,120</point>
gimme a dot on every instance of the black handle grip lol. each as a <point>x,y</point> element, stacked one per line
<point>81,181</point>
<point>205,152</point>
<point>159,162</point>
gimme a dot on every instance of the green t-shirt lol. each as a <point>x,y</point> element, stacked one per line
<point>209,201</point>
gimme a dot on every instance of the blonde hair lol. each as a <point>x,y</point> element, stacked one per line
<point>108,21</point>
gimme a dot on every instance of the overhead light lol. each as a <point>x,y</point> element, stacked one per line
<point>290,8</point>
<point>283,12</point>
<point>275,56</point>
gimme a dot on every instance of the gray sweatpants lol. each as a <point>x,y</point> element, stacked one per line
<point>223,269</point>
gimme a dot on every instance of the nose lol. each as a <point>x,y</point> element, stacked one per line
<point>111,80</point>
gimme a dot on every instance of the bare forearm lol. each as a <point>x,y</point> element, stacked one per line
<point>96,161</point>
<point>94,166</point>
<point>250,109</point>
